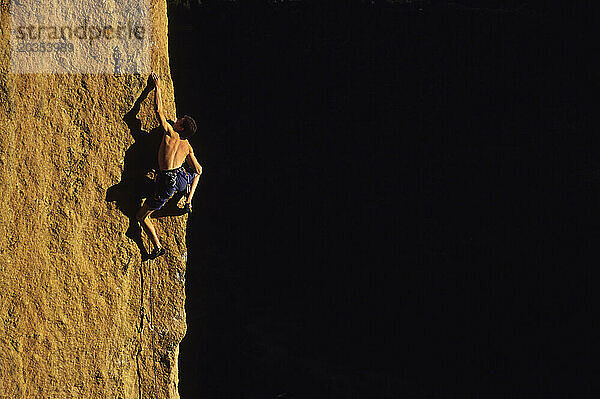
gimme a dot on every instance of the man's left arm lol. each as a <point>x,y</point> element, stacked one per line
<point>193,162</point>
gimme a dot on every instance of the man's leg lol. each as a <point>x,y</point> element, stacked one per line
<point>143,217</point>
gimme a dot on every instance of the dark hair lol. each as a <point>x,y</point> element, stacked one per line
<point>189,127</point>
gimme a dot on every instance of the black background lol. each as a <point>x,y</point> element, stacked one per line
<point>391,204</point>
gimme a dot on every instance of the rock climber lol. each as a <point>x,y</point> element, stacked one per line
<point>172,177</point>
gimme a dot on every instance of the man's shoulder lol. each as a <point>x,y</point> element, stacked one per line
<point>189,147</point>
<point>168,130</point>
<point>185,147</point>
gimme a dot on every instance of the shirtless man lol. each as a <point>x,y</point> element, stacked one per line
<point>172,177</point>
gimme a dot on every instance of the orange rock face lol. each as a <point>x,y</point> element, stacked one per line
<point>81,315</point>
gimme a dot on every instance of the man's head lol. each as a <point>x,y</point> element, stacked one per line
<point>185,126</point>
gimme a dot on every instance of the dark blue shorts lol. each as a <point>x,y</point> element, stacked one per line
<point>167,183</point>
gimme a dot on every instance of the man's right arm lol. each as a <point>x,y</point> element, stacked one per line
<point>159,107</point>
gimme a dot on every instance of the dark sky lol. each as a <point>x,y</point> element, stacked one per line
<point>394,203</point>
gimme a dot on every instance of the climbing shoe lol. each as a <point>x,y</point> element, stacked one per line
<point>156,253</point>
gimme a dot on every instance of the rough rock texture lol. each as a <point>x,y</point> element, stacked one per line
<point>75,297</point>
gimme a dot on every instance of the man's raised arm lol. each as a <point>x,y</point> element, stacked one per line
<point>159,107</point>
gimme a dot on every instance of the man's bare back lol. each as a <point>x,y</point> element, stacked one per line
<point>172,151</point>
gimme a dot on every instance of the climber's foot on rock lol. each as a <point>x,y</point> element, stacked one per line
<point>156,253</point>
